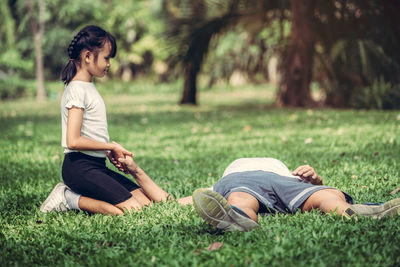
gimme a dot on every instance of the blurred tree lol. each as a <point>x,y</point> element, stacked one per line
<point>12,65</point>
<point>7,26</point>
<point>136,26</point>
<point>191,65</point>
<point>192,33</point>
<point>354,44</point>
<point>63,20</point>
<point>295,90</point>
<point>349,46</point>
<point>37,28</point>
<point>357,55</point>
<point>250,54</point>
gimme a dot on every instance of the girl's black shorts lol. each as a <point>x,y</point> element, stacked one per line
<point>89,176</point>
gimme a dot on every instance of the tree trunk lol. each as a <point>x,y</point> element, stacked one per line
<point>37,33</point>
<point>191,69</point>
<point>390,7</point>
<point>189,95</point>
<point>295,89</point>
<point>8,26</point>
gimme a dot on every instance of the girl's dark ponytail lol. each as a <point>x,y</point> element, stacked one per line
<point>69,72</point>
<point>70,69</point>
<point>91,38</point>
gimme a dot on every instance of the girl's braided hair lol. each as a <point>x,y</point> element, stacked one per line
<point>91,38</point>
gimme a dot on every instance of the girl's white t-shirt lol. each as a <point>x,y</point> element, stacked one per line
<point>94,124</point>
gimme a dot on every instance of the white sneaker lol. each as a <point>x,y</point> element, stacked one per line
<point>56,200</point>
<point>216,210</point>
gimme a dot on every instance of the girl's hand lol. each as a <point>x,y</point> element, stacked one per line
<point>119,152</point>
<point>308,174</point>
<point>114,161</point>
<point>129,164</point>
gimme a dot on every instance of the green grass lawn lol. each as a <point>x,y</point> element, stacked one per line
<point>184,148</point>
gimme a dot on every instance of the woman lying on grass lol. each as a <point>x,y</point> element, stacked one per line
<point>252,186</point>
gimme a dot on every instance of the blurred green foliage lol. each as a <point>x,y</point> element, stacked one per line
<point>135,25</point>
<point>357,55</point>
<point>356,44</point>
<point>357,61</point>
<point>246,52</point>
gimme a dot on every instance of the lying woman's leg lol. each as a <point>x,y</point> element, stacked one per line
<point>334,200</point>
<point>246,202</point>
<point>326,200</point>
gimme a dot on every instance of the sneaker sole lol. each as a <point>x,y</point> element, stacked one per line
<point>214,209</point>
<point>388,209</point>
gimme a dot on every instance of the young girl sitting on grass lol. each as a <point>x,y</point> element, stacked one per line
<point>89,184</point>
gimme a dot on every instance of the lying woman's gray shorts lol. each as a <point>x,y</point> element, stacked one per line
<point>276,192</point>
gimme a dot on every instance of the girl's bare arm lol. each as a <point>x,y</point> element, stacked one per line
<point>77,142</point>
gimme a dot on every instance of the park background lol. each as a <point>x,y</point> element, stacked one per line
<point>195,85</point>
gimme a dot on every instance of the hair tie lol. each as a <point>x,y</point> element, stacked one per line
<point>71,59</point>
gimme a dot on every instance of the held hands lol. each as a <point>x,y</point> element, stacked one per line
<point>116,153</point>
<point>128,164</point>
<point>119,151</point>
<point>308,174</point>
